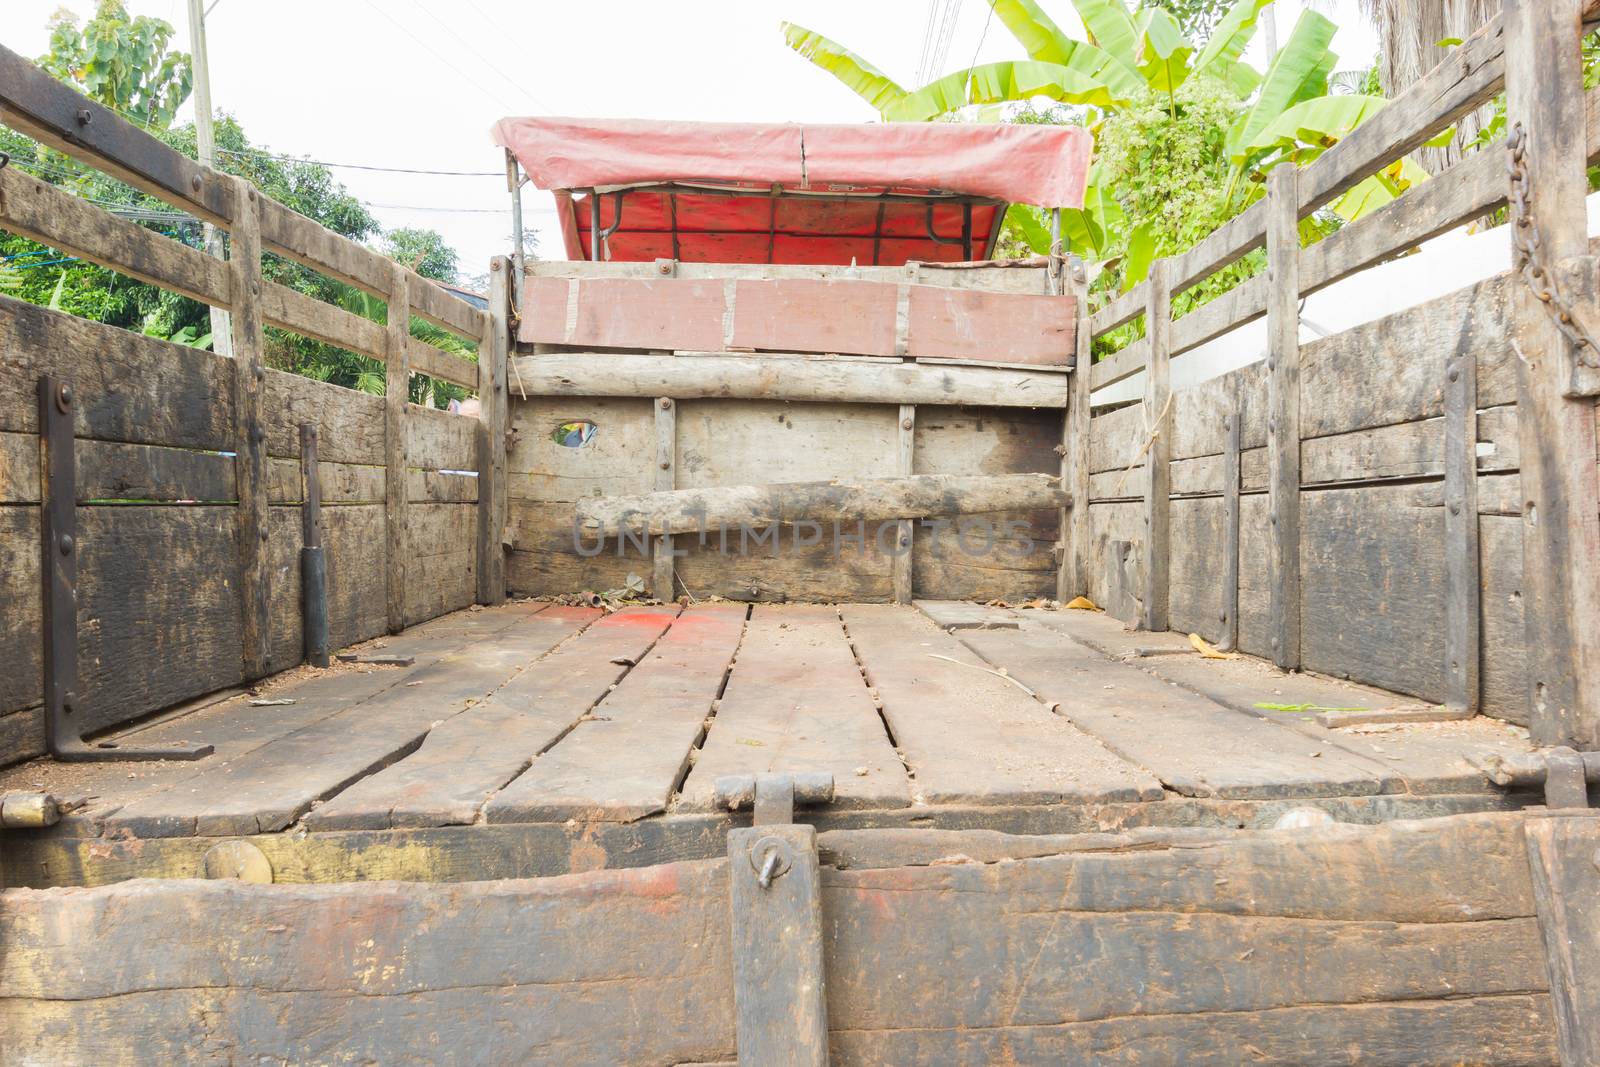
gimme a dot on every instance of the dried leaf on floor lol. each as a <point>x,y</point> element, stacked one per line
<point>1206,650</point>
<point>1083,603</point>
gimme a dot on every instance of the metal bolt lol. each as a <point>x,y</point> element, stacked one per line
<point>665,404</point>
<point>63,397</point>
<point>666,268</point>
<point>769,867</point>
<point>194,183</point>
<point>494,264</point>
<point>665,465</point>
<point>84,116</point>
<point>1454,375</point>
<point>261,373</point>
<point>65,543</point>
<point>905,424</point>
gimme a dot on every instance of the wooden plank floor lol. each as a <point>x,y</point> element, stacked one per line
<point>532,713</point>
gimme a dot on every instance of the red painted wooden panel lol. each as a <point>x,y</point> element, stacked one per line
<point>801,315</point>
<point>625,312</point>
<point>998,327</point>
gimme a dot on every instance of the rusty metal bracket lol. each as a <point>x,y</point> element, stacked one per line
<point>775,900</point>
<point>59,547</point>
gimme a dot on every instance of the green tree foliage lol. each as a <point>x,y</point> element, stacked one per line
<point>121,61</point>
<point>424,251</point>
<point>150,95</point>
<point>1196,18</point>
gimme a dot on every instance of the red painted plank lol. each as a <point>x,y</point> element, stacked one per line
<point>801,315</point>
<point>624,312</point>
<point>998,327</point>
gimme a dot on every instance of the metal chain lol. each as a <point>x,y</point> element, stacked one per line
<point>1529,255</point>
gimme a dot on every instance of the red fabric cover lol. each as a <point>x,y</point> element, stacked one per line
<point>1041,165</point>
<point>736,229</point>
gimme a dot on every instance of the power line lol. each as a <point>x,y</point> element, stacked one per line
<point>982,35</point>
<point>518,86</point>
<point>363,166</point>
<point>437,55</point>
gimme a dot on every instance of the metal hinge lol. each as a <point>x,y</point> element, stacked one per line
<point>775,896</point>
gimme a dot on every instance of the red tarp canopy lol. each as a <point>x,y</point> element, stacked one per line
<point>745,193</point>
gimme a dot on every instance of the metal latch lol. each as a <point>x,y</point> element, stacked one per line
<point>1564,773</point>
<point>775,897</point>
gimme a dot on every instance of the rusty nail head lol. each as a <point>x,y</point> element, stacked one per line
<point>905,424</point>
<point>665,403</point>
<point>63,396</point>
<point>665,268</point>
<point>494,264</point>
<point>665,465</point>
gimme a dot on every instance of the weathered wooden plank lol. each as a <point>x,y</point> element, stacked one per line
<point>1231,475</point>
<point>905,465</point>
<point>969,736</point>
<point>796,703</point>
<point>869,500</point>
<point>1124,363</point>
<point>109,470</point>
<point>495,420</point>
<point>1283,414</point>
<point>532,971</point>
<point>662,585</point>
<point>1245,302</point>
<point>812,316</point>
<point>440,440</point>
<point>397,390</point>
<point>778,378</point>
<point>1463,81</point>
<point>999,327</point>
<point>1158,460</point>
<point>1194,746</point>
<point>271,787</point>
<point>1427,760</point>
<point>31,207</point>
<point>1076,428</point>
<point>435,362</point>
<point>1561,495</point>
<point>465,760</point>
<point>1006,276</point>
<point>305,315</point>
<point>1241,234</point>
<point>1561,854</point>
<point>440,487</point>
<point>291,234</point>
<point>1463,579</point>
<point>342,483</point>
<point>1472,187</point>
<point>249,435</point>
<point>651,313</point>
<point>350,424</point>
<point>441,572</point>
<point>625,761</point>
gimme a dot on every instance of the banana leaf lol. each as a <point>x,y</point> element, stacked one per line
<point>1034,232</point>
<point>1111,29</point>
<point>1380,189</point>
<point>861,77</point>
<point>1163,50</point>
<point>1044,41</point>
<point>1141,253</point>
<point>1089,229</point>
<point>1221,55</point>
<point>996,82</point>
<point>1317,122</point>
<point>1298,72</point>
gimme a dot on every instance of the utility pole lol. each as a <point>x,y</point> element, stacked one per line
<point>1271,27</point>
<point>205,141</point>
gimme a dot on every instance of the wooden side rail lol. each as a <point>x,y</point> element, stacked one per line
<point>34,103</point>
<point>685,511</point>
<point>778,377</point>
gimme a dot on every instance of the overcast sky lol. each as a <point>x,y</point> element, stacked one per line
<point>418,83</point>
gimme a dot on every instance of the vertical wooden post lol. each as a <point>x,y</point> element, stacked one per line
<point>250,437</point>
<point>666,478</point>
<point>493,416</point>
<point>1231,476</point>
<point>1462,589</point>
<point>1560,497</point>
<point>907,431</point>
<point>1283,412</point>
<point>1072,575</point>
<point>313,562</point>
<point>1158,458</point>
<point>397,391</point>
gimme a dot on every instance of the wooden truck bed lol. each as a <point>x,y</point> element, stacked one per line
<point>596,738</point>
